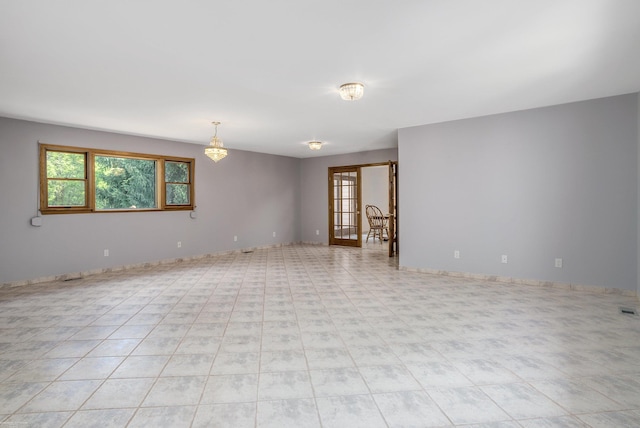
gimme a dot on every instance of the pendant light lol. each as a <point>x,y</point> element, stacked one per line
<point>215,150</point>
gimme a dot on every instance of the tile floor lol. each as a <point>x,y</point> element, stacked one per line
<point>313,336</point>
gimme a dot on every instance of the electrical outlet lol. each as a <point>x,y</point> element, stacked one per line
<point>456,254</point>
<point>505,259</point>
<point>558,263</point>
<point>179,244</point>
<point>317,232</point>
<point>274,234</point>
<point>106,253</point>
<point>235,238</point>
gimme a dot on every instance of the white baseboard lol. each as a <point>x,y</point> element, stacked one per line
<point>521,281</point>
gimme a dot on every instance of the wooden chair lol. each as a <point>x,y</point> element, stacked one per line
<point>377,223</point>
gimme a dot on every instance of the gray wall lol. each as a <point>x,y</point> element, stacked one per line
<point>247,194</point>
<point>314,211</point>
<point>554,182</point>
<point>560,181</point>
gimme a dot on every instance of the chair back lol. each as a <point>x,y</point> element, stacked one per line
<point>374,216</point>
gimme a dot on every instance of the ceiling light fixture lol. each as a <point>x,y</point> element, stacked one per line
<point>215,150</point>
<point>315,145</point>
<point>351,91</point>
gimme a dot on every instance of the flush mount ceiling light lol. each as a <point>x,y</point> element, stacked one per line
<point>315,145</point>
<point>215,150</point>
<point>351,91</point>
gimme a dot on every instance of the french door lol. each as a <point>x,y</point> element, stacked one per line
<point>344,206</point>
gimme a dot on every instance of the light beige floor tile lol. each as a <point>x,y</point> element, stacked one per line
<point>131,332</point>
<point>199,345</point>
<point>188,365</point>
<point>246,338</point>
<point>62,396</point>
<point>485,371</point>
<point>43,370</point>
<point>284,385</point>
<point>114,348</point>
<point>620,388</point>
<point>352,411</point>
<point>173,416</point>
<point>556,422</point>
<point>175,391</point>
<point>321,340</point>
<point>389,378</point>
<point>157,346</point>
<point>521,401</point>
<point>576,396</point>
<point>410,409</point>
<point>119,393</point>
<point>373,355</point>
<point>103,418</point>
<point>141,366</point>
<point>236,363</point>
<point>208,330</point>
<point>467,406</point>
<point>235,388</point>
<point>282,342</point>
<point>287,413</point>
<point>92,368</point>
<point>279,361</point>
<point>612,419</point>
<point>94,332</point>
<point>9,367</point>
<point>39,420</point>
<point>342,381</point>
<point>14,395</point>
<point>72,348</point>
<point>438,374</point>
<point>328,358</point>
<point>237,415</point>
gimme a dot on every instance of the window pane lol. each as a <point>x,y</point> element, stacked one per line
<point>125,183</point>
<point>65,165</point>
<point>178,194</point>
<point>176,172</point>
<point>66,193</point>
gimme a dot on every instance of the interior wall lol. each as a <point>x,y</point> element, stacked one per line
<point>250,195</point>
<point>314,197</point>
<point>535,185</point>
<point>375,190</point>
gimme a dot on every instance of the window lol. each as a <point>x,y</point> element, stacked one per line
<point>66,183</point>
<point>89,180</point>
<point>124,183</point>
<point>177,181</point>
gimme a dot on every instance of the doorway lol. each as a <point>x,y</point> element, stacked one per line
<point>346,204</point>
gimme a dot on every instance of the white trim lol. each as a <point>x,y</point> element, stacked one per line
<point>521,281</point>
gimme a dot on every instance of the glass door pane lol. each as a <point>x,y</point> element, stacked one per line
<point>344,192</point>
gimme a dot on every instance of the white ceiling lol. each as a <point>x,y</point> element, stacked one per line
<point>270,70</point>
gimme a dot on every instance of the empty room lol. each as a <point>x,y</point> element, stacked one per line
<point>320,214</point>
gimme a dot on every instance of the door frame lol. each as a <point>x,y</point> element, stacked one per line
<point>393,208</point>
<point>393,202</point>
